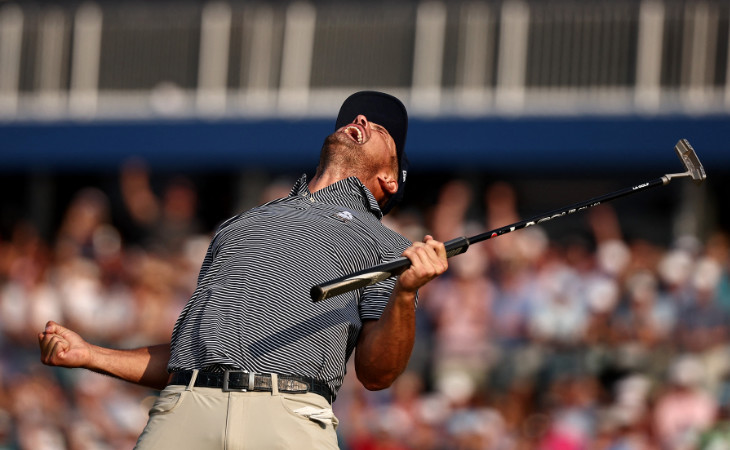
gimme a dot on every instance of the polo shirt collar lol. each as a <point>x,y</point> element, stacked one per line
<point>349,192</point>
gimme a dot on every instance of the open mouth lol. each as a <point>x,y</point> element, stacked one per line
<point>355,133</point>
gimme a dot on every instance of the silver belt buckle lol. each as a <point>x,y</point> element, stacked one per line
<point>226,377</point>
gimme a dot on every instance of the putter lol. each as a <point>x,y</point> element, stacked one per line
<point>454,247</point>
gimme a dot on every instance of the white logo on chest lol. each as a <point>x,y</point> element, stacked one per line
<point>344,216</point>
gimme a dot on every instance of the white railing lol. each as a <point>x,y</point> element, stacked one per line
<point>301,58</point>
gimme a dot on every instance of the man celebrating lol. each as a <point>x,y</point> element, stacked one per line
<point>253,362</point>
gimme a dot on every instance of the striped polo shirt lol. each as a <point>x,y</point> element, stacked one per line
<point>251,309</point>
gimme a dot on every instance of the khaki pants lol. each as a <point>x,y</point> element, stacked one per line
<point>186,417</point>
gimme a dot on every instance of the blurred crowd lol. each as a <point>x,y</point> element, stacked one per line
<point>526,343</point>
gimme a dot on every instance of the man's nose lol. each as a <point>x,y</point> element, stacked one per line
<point>361,120</point>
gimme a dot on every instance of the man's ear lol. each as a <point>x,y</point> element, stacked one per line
<point>388,183</point>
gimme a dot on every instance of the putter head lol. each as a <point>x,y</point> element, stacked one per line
<point>689,158</point>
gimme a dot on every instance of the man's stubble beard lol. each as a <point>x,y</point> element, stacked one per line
<point>339,152</point>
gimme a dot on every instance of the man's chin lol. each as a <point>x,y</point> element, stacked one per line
<point>338,142</point>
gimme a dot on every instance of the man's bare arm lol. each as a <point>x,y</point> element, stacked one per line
<point>384,345</point>
<point>146,366</point>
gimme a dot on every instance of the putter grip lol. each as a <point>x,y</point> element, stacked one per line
<point>377,273</point>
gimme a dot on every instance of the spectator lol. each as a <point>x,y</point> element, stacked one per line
<point>163,223</point>
<point>459,307</point>
<point>684,409</point>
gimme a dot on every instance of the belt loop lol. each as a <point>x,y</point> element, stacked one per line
<point>193,377</point>
<point>274,384</point>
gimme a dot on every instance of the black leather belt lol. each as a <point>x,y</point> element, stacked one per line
<point>240,381</point>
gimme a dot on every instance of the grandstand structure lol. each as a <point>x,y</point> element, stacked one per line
<point>268,59</point>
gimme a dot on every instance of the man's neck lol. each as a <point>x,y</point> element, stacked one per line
<point>321,181</point>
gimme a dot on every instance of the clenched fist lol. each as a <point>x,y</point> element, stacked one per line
<point>62,347</point>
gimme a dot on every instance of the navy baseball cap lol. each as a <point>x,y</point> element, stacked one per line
<point>389,112</point>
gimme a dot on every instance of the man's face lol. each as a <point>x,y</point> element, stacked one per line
<point>370,140</point>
